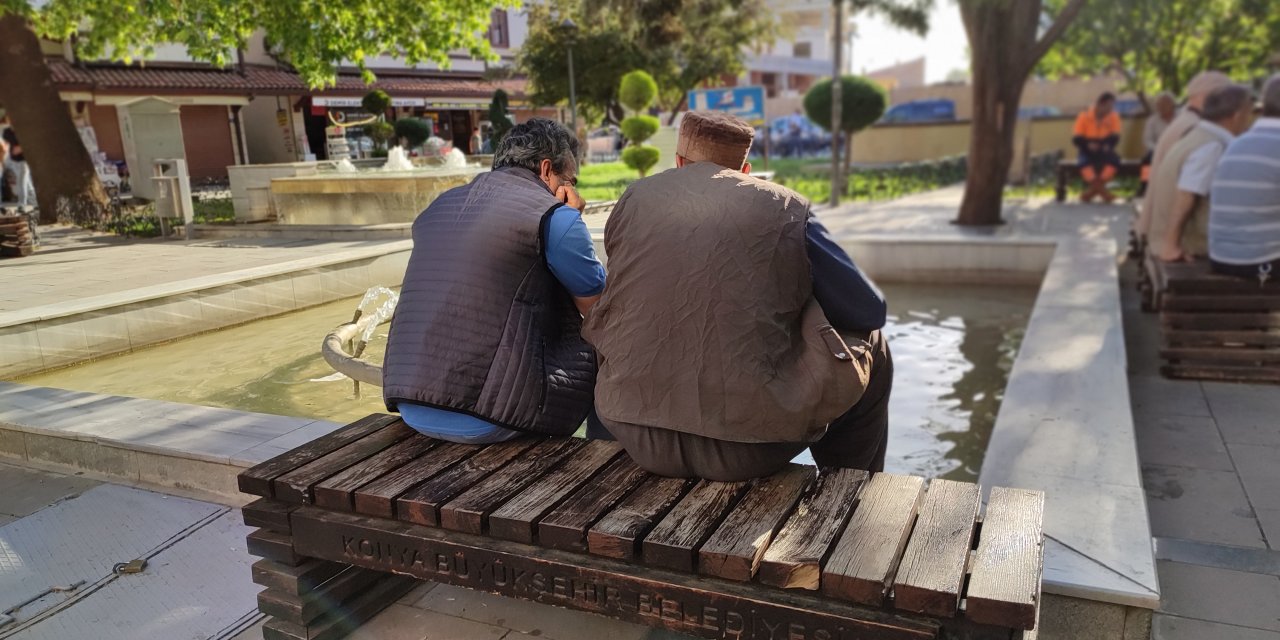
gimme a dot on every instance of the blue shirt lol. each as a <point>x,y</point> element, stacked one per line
<point>851,302</point>
<point>571,256</point>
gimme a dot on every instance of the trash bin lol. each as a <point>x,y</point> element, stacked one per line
<point>173,194</point>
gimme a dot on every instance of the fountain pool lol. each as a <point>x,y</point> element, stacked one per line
<point>953,348</point>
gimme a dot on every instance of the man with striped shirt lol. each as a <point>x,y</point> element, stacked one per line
<point>1244,213</point>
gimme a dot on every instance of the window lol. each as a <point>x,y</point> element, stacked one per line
<point>802,50</point>
<point>499,35</point>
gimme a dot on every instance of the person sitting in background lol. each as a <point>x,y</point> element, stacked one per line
<point>477,142</point>
<point>485,343</point>
<point>1198,90</point>
<point>1157,122</point>
<point>1244,208</point>
<point>1180,216</point>
<point>717,332</point>
<point>1097,132</point>
<point>15,161</point>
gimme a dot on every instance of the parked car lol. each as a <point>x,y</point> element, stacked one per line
<point>921,111</point>
<point>796,135</point>
<point>604,143</point>
<point>1038,111</point>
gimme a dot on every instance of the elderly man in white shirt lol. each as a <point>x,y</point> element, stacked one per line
<point>1180,216</point>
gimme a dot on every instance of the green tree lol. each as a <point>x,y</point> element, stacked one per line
<point>911,15</point>
<point>1158,45</point>
<point>637,92</point>
<point>376,102</point>
<point>313,37</point>
<point>682,44</point>
<point>415,131</point>
<point>499,117</point>
<point>1007,38</point>
<point>862,102</point>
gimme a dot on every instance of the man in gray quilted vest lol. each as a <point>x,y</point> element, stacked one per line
<point>485,344</point>
<point>719,331</point>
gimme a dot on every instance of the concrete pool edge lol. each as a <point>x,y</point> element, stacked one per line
<point>51,336</point>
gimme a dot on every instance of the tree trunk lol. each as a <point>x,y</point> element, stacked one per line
<point>684,99</point>
<point>1004,51</point>
<point>66,184</point>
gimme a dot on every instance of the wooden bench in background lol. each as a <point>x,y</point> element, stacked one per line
<point>351,521</point>
<point>1068,170</point>
<point>16,239</point>
<point>1215,327</point>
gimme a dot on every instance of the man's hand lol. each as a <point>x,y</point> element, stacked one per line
<point>569,196</point>
<point>1173,253</point>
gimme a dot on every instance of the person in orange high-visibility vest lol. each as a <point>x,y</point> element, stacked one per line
<point>1096,135</point>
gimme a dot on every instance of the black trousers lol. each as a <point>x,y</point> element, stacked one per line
<point>1248,271</point>
<point>856,440</point>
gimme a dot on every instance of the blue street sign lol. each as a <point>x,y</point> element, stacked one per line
<point>745,102</point>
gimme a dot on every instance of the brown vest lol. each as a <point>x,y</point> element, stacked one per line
<point>1164,192</point>
<point>708,324</point>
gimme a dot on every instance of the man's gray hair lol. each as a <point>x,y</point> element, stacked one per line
<point>528,144</point>
<point>1271,97</point>
<point>1226,102</point>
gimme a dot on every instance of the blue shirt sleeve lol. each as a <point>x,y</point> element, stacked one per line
<point>571,254</point>
<point>850,300</point>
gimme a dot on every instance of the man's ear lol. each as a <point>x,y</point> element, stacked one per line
<point>746,168</point>
<point>544,170</point>
<point>680,161</point>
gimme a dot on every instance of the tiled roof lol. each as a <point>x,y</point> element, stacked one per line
<point>262,80</point>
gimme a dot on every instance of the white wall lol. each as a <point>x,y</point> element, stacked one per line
<point>263,134</point>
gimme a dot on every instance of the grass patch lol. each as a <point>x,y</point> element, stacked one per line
<point>213,211</point>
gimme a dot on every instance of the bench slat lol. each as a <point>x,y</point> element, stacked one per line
<point>674,542</point>
<point>1005,582</point>
<point>336,491</point>
<point>340,621</point>
<point>273,546</point>
<point>566,526</point>
<point>1210,338</point>
<point>268,514</point>
<point>931,575</point>
<point>257,480</point>
<point>468,511</point>
<point>735,549</point>
<point>303,609</point>
<point>1219,321</point>
<point>793,560</point>
<point>301,579</point>
<point>516,520</point>
<point>422,504</point>
<point>378,497</point>
<point>1221,355</point>
<point>1219,302</point>
<point>863,562</point>
<point>295,486</point>
<point>1222,372</point>
<point>618,533</point>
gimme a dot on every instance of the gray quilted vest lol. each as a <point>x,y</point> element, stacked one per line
<point>483,327</point>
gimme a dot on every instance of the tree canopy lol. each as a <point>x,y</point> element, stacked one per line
<point>1158,45</point>
<point>681,43</point>
<point>314,37</point>
<point>862,102</point>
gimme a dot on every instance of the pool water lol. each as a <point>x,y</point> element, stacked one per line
<point>953,347</point>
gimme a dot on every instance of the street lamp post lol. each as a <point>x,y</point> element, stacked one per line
<point>570,29</point>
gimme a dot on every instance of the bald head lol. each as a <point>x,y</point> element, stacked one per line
<point>715,136</point>
<point>1271,97</point>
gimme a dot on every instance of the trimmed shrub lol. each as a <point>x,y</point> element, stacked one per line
<point>637,129</point>
<point>381,132</point>
<point>862,103</point>
<point>499,118</point>
<point>376,102</point>
<point>637,91</point>
<point>641,158</point>
<point>415,131</point>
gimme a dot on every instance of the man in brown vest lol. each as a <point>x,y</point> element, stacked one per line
<point>716,334</point>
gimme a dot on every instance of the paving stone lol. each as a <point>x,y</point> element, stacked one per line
<point>1246,413</point>
<point>1183,441</point>
<point>398,622</point>
<point>1220,595</point>
<point>27,491</point>
<point>1166,627</point>
<point>1199,504</point>
<point>13,444</point>
<point>252,633</point>
<point>527,617</point>
<point>1156,395</point>
<point>1259,469</point>
<point>1270,521</point>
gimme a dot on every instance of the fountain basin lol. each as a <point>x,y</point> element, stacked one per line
<point>362,198</point>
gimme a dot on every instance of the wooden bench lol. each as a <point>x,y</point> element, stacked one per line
<point>1216,327</point>
<point>15,236</point>
<point>1068,170</point>
<point>351,521</point>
